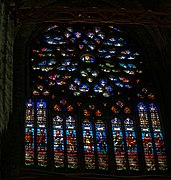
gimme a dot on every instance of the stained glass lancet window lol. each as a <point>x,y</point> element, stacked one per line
<point>64,135</point>
<point>118,143</point>
<point>89,107</point>
<point>29,133</point>
<point>41,133</point>
<point>146,137</point>
<point>58,138</point>
<point>88,142</point>
<point>158,136</point>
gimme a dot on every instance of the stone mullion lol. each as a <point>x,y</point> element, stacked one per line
<point>2,65</point>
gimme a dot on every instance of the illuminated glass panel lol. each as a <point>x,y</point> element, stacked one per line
<point>29,133</point>
<point>88,142</point>
<point>118,143</point>
<point>41,133</point>
<point>158,137</point>
<point>131,142</point>
<point>102,149</point>
<point>58,138</point>
<point>146,137</point>
<point>82,62</point>
<point>71,142</point>
<point>60,52</point>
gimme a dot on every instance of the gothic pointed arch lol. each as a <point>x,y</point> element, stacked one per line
<point>91,108</point>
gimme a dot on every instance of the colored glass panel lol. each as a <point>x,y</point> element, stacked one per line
<point>158,137</point>
<point>101,143</point>
<point>63,51</point>
<point>118,143</point>
<point>71,142</point>
<point>88,143</point>
<point>58,139</point>
<point>29,133</point>
<point>89,61</point>
<point>41,133</point>
<point>131,142</point>
<point>146,137</point>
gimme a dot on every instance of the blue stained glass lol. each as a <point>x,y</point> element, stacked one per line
<point>123,65</point>
<point>103,82</point>
<point>88,143</point>
<point>52,62</point>
<point>102,148</point>
<point>77,81</point>
<point>77,34</point>
<point>47,36</point>
<point>131,66</point>
<point>118,143</point>
<point>128,86</point>
<point>84,88</point>
<point>51,41</point>
<point>146,137</point>
<point>98,89</point>
<point>90,35</point>
<point>41,104</point>
<point>58,38</point>
<point>43,63</point>
<point>131,143</point>
<point>41,133</point>
<point>101,35</point>
<point>130,57</point>
<point>158,137</point>
<point>92,47</point>
<point>119,84</point>
<point>101,50</point>
<point>85,41</point>
<point>71,142</point>
<point>71,68</point>
<point>58,138</point>
<point>73,87</point>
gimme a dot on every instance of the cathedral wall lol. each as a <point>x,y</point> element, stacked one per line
<point>6,81</point>
<point>6,68</point>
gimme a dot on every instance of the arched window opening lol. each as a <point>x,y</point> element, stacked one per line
<point>89,108</point>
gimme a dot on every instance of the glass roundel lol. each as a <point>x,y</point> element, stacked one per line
<point>84,60</point>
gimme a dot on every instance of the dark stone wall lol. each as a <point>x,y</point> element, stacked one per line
<point>6,81</point>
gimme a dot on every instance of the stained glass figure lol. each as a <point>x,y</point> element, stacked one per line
<point>131,142</point>
<point>102,148</point>
<point>158,137</point>
<point>41,133</point>
<point>88,142</point>
<point>29,133</point>
<point>118,143</point>
<point>58,139</point>
<point>71,142</point>
<point>146,137</point>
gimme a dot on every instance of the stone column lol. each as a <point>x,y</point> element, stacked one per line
<point>6,85</point>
